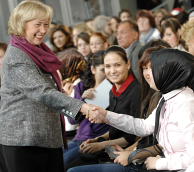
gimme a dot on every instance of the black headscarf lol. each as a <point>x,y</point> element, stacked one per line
<point>172,69</point>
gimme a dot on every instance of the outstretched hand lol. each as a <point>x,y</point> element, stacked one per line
<point>97,115</point>
<point>93,113</point>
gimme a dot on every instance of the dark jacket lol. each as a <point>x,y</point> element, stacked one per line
<point>127,103</point>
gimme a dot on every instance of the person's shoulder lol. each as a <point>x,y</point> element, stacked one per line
<point>15,55</point>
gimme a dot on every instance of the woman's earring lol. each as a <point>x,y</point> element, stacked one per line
<point>128,68</point>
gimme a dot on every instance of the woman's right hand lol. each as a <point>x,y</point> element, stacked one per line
<point>88,93</point>
<point>86,142</point>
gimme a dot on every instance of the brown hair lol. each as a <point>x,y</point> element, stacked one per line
<point>73,63</point>
<point>3,46</point>
<point>147,14</point>
<point>149,97</point>
<point>124,11</point>
<point>84,36</point>
<point>175,25</point>
<point>67,32</point>
<point>101,35</point>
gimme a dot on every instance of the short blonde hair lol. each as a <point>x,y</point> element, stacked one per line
<point>187,31</point>
<point>27,11</point>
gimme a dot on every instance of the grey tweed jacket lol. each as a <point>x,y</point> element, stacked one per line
<point>31,104</point>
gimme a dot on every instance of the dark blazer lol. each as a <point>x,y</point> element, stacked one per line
<point>133,57</point>
<point>31,103</point>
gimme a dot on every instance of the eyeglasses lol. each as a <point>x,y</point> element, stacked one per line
<point>96,43</point>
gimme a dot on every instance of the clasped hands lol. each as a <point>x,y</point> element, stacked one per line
<point>96,114</point>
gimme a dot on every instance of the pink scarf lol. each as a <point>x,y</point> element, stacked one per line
<point>45,59</point>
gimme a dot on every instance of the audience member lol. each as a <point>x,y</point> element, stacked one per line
<point>114,21</point>
<point>72,70</point>
<point>125,97</point>
<point>83,45</point>
<point>79,28</point>
<point>61,39</point>
<point>171,33</point>
<point>127,36</point>
<point>102,24</point>
<point>187,33</point>
<point>94,75</point>
<point>51,28</point>
<point>124,14</point>
<point>159,14</point>
<point>98,41</point>
<point>3,48</point>
<point>147,26</point>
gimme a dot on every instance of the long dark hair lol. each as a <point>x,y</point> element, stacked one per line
<point>94,60</point>
<point>150,97</point>
<point>121,52</point>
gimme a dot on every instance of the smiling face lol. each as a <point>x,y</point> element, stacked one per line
<point>147,73</point>
<point>36,30</point>
<point>170,37</point>
<point>116,69</point>
<point>83,47</point>
<point>59,39</point>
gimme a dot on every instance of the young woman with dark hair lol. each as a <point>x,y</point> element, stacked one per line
<point>125,96</point>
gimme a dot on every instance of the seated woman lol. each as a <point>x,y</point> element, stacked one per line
<point>71,72</point>
<point>83,45</point>
<point>171,33</point>
<point>94,75</point>
<point>147,26</point>
<point>98,41</point>
<point>125,96</point>
<point>170,72</point>
<point>61,39</point>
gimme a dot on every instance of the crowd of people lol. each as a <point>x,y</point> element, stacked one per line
<point>46,124</point>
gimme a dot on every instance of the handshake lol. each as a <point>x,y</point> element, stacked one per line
<point>95,114</point>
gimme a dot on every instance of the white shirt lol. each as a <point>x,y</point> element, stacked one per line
<point>176,130</point>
